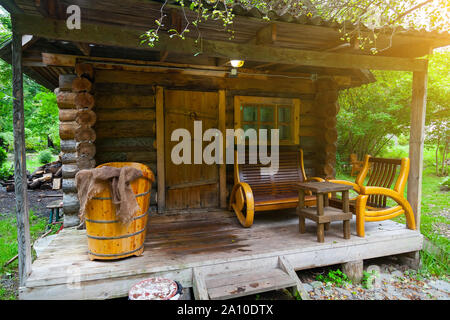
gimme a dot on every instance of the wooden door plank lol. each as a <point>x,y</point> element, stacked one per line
<point>160,159</point>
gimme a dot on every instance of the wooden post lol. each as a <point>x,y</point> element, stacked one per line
<point>416,141</point>
<point>222,166</point>
<point>160,166</point>
<point>20,176</point>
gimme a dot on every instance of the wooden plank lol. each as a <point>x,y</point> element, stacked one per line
<point>222,166</point>
<point>286,266</point>
<point>20,176</point>
<point>131,38</point>
<point>199,285</point>
<point>160,158</point>
<point>416,142</point>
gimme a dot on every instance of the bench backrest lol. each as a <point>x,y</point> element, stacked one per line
<point>382,173</point>
<point>290,171</point>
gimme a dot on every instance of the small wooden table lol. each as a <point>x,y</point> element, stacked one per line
<point>322,214</point>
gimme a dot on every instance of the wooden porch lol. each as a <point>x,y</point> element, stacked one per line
<point>212,242</point>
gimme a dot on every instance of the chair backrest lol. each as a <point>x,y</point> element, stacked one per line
<point>353,158</point>
<point>382,173</point>
<point>290,171</point>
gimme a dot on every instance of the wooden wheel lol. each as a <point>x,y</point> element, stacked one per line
<point>242,202</point>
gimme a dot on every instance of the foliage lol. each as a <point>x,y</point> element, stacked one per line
<point>354,17</point>
<point>41,110</point>
<point>368,278</point>
<point>334,276</point>
<point>45,156</point>
<point>6,171</point>
<point>375,117</point>
<point>3,156</point>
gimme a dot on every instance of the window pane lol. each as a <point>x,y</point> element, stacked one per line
<point>284,114</point>
<point>249,113</point>
<point>266,114</point>
<point>285,132</point>
<point>268,127</point>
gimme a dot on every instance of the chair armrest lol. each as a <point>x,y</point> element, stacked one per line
<point>356,187</point>
<point>368,190</point>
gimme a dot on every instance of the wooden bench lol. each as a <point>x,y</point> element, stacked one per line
<point>371,202</point>
<point>255,191</point>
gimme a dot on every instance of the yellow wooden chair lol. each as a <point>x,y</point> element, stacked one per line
<point>370,204</point>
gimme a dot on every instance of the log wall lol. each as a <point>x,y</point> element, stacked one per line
<point>75,102</point>
<point>124,103</point>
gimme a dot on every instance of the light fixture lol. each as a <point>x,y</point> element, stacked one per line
<point>237,63</point>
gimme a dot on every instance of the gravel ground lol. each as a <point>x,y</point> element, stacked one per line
<point>38,200</point>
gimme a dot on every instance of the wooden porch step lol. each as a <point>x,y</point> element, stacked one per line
<point>229,285</point>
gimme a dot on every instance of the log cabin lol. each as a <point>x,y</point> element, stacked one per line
<point>119,101</point>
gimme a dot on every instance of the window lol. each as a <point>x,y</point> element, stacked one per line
<point>269,113</point>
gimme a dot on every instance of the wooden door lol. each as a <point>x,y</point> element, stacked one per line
<point>190,186</point>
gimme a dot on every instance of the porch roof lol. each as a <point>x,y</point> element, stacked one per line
<point>283,33</point>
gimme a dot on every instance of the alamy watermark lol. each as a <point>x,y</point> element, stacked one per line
<point>181,153</point>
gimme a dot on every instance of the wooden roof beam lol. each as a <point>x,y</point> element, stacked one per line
<point>130,38</point>
<point>267,35</point>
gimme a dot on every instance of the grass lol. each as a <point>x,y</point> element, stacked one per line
<point>8,248</point>
<point>32,161</point>
<point>434,204</point>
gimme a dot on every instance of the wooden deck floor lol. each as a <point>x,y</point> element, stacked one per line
<point>213,241</point>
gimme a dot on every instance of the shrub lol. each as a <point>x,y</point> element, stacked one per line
<point>45,156</point>
<point>6,171</point>
<point>3,156</point>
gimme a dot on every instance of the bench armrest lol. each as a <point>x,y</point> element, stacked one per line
<point>315,179</point>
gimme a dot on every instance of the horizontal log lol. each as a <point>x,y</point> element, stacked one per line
<point>309,132</point>
<point>126,114</point>
<point>310,121</point>
<point>71,205</point>
<point>125,129</point>
<point>142,156</point>
<point>86,149</point>
<point>84,133</point>
<point>296,86</point>
<point>66,100</point>
<point>67,114</point>
<point>69,170</point>
<point>67,130</point>
<point>330,136</point>
<point>84,100</point>
<point>68,185</point>
<point>86,117</point>
<point>65,82</point>
<point>81,85</point>
<point>68,145</point>
<point>125,144</point>
<point>84,70</point>
<point>85,163</point>
<point>121,101</point>
<point>67,158</point>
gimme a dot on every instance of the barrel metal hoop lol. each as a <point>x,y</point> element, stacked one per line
<point>115,254</point>
<point>118,237</point>
<point>109,198</point>
<point>116,221</point>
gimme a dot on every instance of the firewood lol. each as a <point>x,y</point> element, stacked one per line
<point>56,184</point>
<point>36,183</point>
<point>58,173</point>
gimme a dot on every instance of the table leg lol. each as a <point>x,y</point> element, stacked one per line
<point>327,226</point>
<point>325,200</point>
<point>301,224</point>
<point>345,202</point>
<point>346,226</point>
<point>320,232</point>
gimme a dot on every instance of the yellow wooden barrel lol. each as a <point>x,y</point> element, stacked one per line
<point>107,237</point>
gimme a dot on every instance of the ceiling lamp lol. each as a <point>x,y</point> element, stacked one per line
<point>237,63</point>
